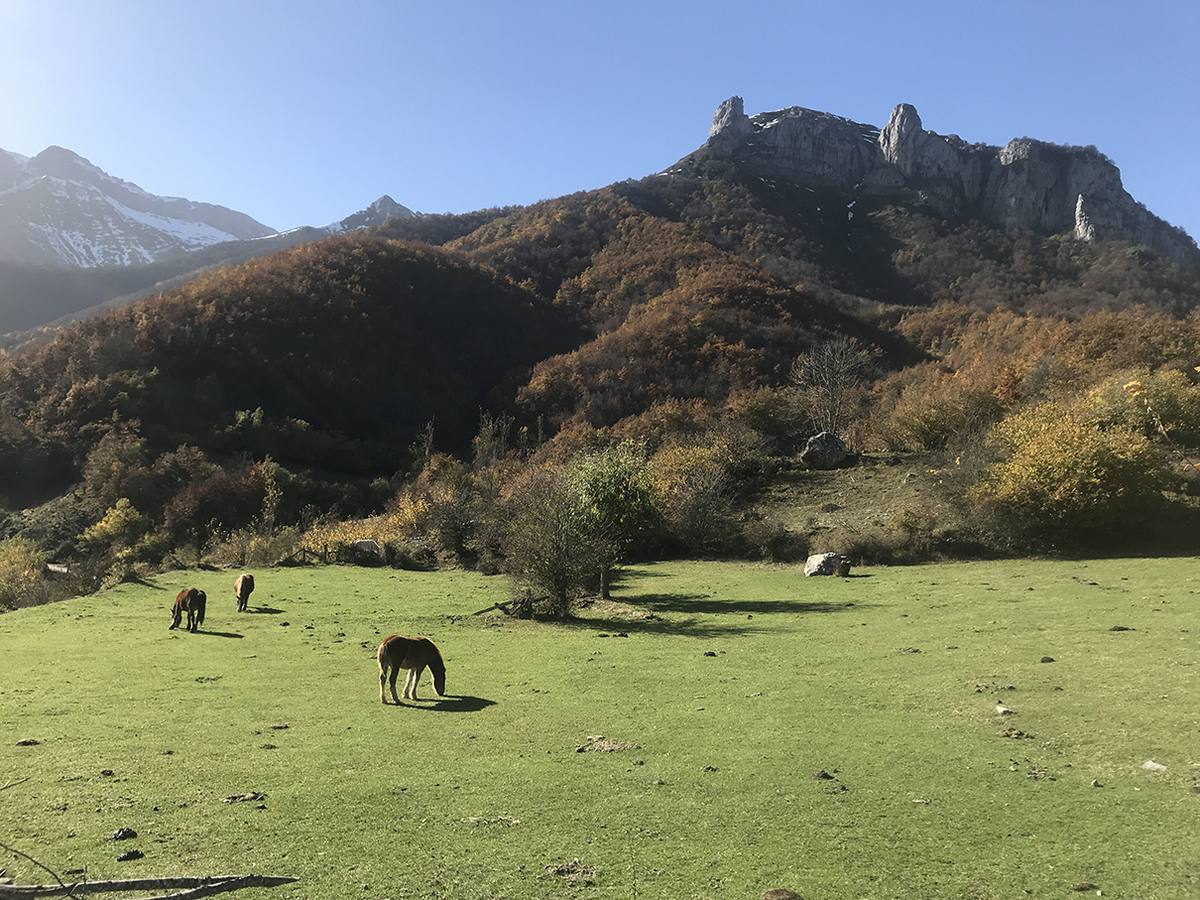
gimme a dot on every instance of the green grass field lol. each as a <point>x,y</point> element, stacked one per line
<point>475,795</point>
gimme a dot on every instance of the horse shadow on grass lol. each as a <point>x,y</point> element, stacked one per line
<point>266,610</point>
<point>224,634</point>
<point>460,703</point>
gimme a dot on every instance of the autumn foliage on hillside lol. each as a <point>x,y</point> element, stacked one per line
<point>424,373</point>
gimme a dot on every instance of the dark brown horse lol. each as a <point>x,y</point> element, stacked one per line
<point>242,589</point>
<point>192,602</point>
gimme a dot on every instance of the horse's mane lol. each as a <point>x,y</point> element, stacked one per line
<point>435,660</point>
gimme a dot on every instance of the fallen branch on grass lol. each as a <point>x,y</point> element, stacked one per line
<point>520,607</point>
<point>193,887</point>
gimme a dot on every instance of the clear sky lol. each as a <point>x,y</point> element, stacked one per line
<point>301,112</point>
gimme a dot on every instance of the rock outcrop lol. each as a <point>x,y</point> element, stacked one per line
<point>1026,184</point>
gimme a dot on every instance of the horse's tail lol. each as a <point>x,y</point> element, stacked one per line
<point>438,668</point>
<point>201,602</point>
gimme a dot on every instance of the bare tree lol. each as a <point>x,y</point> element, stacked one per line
<point>827,377</point>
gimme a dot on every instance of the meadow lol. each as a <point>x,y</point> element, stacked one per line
<point>836,737</point>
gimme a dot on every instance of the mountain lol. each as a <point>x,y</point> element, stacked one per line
<point>380,212</point>
<point>1026,184</point>
<point>634,307</point>
<point>59,209</point>
<point>36,292</point>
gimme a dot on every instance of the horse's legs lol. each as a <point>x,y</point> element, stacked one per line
<point>416,677</point>
<point>382,681</point>
<point>392,683</point>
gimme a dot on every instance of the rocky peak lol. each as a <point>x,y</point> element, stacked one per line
<point>1027,184</point>
<point>898,138</point>
<point>377,213</point>
<point>730,118</point>
<point>59,162</point>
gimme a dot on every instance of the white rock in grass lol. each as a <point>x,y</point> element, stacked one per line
<point>1152,766</point>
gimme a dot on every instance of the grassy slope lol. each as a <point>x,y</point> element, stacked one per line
<point>365,800</point>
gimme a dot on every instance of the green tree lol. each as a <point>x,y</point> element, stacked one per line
<point>120,526</point>
<point>616,500</point>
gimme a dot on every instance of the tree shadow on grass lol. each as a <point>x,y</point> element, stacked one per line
<point>143,582</point>
<point>224,634</point>
<point>655,624</point>
<point>449,703</point>
<point>715,606</point>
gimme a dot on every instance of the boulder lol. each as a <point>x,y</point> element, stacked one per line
<point>368,551</point>
<point>824,451</point>
<point>827,564</point>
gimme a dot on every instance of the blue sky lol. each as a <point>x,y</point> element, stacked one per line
<point>301,112</point>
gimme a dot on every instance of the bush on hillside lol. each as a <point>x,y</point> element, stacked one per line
<point>693,491</point>
<point>22,574</point>
<point>1064,478</point>
<point>1168,398</point>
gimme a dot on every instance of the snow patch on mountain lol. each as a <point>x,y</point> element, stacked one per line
<point>58,209</point>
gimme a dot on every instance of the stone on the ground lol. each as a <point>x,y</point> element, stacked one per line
<point>824,451</point>
<point>827,564</point>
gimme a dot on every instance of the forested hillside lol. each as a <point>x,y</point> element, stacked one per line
<point>667,310</point>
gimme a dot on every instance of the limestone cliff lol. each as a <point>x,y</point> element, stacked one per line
<point>1026,184</point>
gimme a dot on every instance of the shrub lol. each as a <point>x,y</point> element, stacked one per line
<point>693,493</point>
<point>22,578</point>
<point>548,543</point>
<point>1062,476</point>
<point>1168,397</point>
<point>250,547</point>
<point>120,525</point>
<point>929,415</point>
<point>771,540</point>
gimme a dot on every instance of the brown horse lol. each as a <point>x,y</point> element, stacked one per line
<point>242,589</point>
<point>192,602</point>
<point>414,654</point>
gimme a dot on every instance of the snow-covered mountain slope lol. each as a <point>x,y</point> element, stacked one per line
<point>59,209</point>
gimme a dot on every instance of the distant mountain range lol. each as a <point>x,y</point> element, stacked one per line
<point>59,209</point>
<point>74,240</point>
<point>72,236</point>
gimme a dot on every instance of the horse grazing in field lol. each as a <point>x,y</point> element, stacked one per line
<point>190,601</point>
<point>242,589</point>
<point>414,654</point>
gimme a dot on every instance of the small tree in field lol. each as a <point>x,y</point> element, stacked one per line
<point>617,502</point>
<point>547,542</point>
<point>21,580</point>
<point>826,378</point>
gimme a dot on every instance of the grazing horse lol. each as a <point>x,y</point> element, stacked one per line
<point>242,589</point>
<point>192,602</point>
<point>414,654</point>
